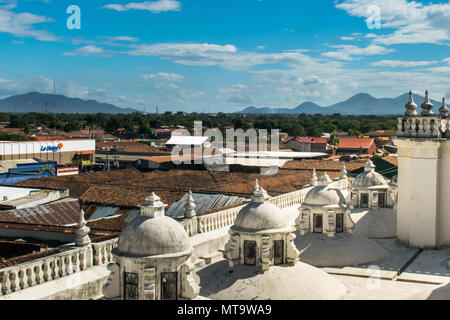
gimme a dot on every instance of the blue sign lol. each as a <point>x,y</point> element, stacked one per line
<point>51,148</point>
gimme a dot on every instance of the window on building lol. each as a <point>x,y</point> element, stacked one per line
<point>318,223</point>
<point>339,222</point>
<point>130,286</point>
<point>364,200</point>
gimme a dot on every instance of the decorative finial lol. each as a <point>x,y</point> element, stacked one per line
<point>411,106</point>
<point>314,178</point>
<point>343,171</point>
<point>190,206</point>
<point>324,180</point>
<point>443,111</point>
<point>152,206</point>
<point>427,106</point>
<point>256,187</point>
<point>259,194</point>
<point>369,166</point>
<point>81,232</point>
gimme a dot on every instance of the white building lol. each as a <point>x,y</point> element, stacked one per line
<point>423,212</point>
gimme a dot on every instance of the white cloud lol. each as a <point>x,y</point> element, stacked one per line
<point>124,38</point>
<point>152,6</point>
<point>225,56</point>
<point>349,52</point>
<point>89,50</point>
<point>402,63</point>
<point>413,22</point>
<point>344,38</point>
<point>173,77</point>
<point>22,24</point>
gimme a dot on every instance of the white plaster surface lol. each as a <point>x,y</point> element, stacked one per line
<point>375,223</point>
<point>343,249</point>
<point>284,282</point>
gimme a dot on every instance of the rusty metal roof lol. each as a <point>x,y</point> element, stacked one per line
<point>204,202</point>
<point>59,213</point>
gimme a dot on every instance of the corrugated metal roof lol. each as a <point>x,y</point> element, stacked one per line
<point>204,202</point>
<point>57,214</point>
<point>103,211</point>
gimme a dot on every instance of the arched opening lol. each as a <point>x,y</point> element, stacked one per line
<point>364,200</point>
<point>250,252</point>
<point>169,286</point>
<point>317,223</point>
<point>339,222</point>
<point>278,251</point>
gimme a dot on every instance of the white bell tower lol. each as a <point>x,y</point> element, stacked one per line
<point>423,210</point>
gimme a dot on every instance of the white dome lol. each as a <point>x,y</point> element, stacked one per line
<point>369,179</point>
<point>261,216</point>
<point>146,236</point>
<point>243,282</point>
<point>324,196</point>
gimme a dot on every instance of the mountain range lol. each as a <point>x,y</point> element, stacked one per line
<point>36,102</point>
<point>361,103</point>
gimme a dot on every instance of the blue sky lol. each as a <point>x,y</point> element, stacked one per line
<point>225,55</point>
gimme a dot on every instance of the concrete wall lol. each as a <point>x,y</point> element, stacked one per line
<point>423,210</point>
<point>444,199</point>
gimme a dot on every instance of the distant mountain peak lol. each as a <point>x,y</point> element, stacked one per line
<point>35,102</point>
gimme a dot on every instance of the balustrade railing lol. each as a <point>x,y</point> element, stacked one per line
<point>62,264</point>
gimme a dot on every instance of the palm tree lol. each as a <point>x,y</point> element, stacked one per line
<point>333,140</point>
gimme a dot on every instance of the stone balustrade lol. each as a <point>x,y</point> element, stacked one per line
<point>102,251</point>
<point>290,199</point>
<point>423,127</point>
<point>217,220</point>
<point>29,274</point>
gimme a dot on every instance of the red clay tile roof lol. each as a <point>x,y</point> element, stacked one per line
<point>392,160</point>
<point>355,143</point>
<point>312,140</point>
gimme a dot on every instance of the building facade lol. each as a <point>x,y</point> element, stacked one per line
<point>81,152</point>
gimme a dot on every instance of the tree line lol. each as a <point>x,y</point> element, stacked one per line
<point>293,124</point>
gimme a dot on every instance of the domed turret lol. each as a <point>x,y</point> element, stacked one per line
<point>369,178</point>
<point>153,233</point>
<point>152,258</point>
<point>261,234</point>
<point>324,210</point>
<point>259,214</point>
<point>371,190</point>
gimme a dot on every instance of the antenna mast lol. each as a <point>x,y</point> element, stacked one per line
<point>54,110</point>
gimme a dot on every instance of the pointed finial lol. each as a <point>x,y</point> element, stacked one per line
<point>343,171</point>
<point>259,194</point>
<point>313,180</point>
<point>256,187</point>
<point>411,106</point>
<point>369,166</point>
<point>324,180</point>
<point>443,111</point>
<point>427,106</point>
<point>152,206</point>
<point>81,232</point>
<point>190,206</point>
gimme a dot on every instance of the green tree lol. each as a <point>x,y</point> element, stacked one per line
<point>333,141</point>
